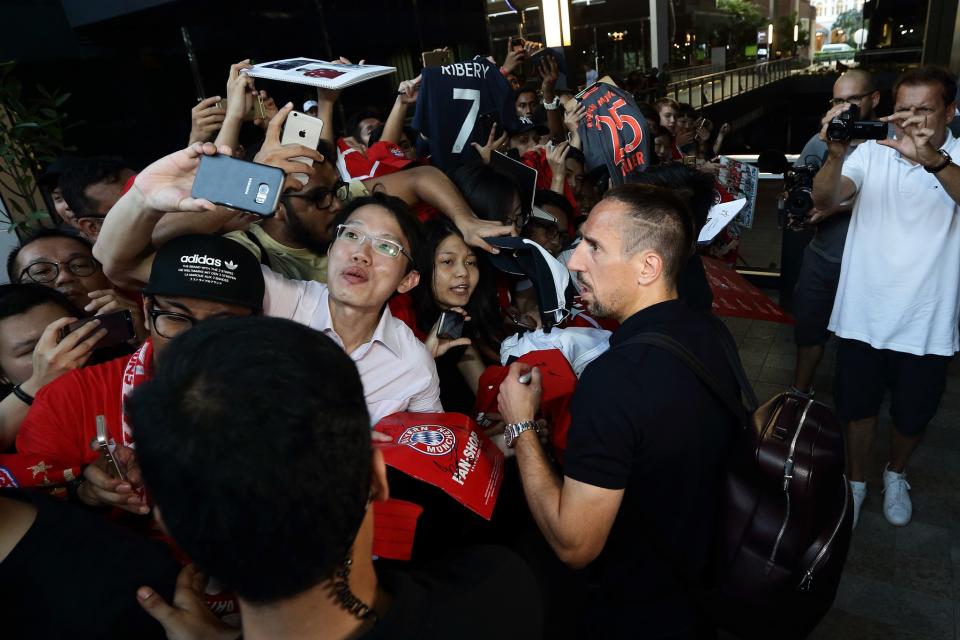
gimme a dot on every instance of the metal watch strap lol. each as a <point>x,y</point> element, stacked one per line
<point>553,105</point>
<point>947,160</point>
<point>518,428</point>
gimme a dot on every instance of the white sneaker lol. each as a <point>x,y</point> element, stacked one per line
<point>897,506</point>
<point>859,491</point>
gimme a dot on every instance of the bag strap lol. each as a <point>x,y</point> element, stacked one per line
<point>733,358</point>
<point>693,363</point>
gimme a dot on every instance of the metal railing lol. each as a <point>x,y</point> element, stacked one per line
<point>706,90</point>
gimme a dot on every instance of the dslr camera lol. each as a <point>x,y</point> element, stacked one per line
<point>798,183</point>
<point>846,127</point>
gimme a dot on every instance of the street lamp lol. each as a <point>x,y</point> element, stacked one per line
<point>770,37</point>
<point>556,22</point>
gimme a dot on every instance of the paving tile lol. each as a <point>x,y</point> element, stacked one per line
<point>752,343</point>
<point>781,360</point>
<point>895,606</point>
<point>776,375</point>
<point>842,625</point>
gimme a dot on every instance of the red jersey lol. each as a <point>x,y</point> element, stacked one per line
<point>62,423</point>
<point>537,159</point>
<point>381,158</point>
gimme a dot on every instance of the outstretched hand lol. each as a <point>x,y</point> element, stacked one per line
<point>165,185</point>
<point>283,156</point>
<point>914,137</point>
<point>493,143</point>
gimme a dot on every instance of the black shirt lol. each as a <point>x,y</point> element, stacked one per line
<point>481,592</point>
<point>75,575</point>
<point>643,422</point>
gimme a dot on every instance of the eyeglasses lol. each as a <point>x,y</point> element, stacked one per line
<point>323,198</point>
<point>384,247</point>
<point>45,272</point>
<point>518,219</point>
<point>550,229</point>
<point>852,99</point>
<point>169,324</point>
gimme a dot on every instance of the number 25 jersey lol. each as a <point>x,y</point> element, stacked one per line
<point>455,100</point>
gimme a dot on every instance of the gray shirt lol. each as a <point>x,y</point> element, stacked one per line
<point>831,234</point>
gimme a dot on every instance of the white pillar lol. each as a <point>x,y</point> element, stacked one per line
<point>659,45</point>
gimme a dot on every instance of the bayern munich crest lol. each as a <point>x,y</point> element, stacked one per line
<point>431,439</point>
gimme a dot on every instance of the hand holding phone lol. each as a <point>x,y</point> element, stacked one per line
<point>237,184</point>
<point>450,326</point>
<point>305,130</point>
<point>118,325</point>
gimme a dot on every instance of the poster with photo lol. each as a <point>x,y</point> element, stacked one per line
<point>318,73</point>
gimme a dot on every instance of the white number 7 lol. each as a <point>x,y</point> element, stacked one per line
<point>467,128</point>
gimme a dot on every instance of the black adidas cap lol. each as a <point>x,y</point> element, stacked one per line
<point>207,267</point>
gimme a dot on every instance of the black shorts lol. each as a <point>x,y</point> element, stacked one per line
<point>864,373</point>
<point>813,299</point>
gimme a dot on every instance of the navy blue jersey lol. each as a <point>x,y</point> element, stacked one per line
<point>456,106</point>
<point>613,133</point>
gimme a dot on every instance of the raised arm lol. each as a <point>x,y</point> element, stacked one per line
<point>240,98</point>
<point>125,247</point>
<point>430,185</point>
<point>406,95</point>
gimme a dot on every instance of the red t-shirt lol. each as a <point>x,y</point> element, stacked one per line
<point>380,160</point>
<point>62,423</point>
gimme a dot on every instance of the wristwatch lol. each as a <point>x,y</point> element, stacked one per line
<point>552,105</point>
<point>513,431</point>
<point>940,167</point>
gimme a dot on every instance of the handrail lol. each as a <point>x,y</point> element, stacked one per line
<point>742,79</point>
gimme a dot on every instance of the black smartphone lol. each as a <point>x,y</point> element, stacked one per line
<point>516,43</point>
<point>451,325</point>
<point>238,184</point>
<point>119,326</point>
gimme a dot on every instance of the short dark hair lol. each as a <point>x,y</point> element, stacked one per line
<point>929,74</point>
<point>353,123</point>
<point>409,225</point>
<point>489,192</point>
<point>658,220</point>
<point>686,110</point>
<point>19,298</point>
<point>546,196</point>
<point>267,497</point>
<point>695,188</point>
<point>83,172</point>
<point>41,235</point>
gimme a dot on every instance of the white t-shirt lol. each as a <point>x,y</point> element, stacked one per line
<point>900,278</point>
<point>395,368</point>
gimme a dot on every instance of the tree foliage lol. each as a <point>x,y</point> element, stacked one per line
<point>850,21</point>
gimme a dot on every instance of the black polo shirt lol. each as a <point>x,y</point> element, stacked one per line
<point>644,423</point>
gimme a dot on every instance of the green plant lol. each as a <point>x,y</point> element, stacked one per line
<point>745,20</point>
<point>31,135</point>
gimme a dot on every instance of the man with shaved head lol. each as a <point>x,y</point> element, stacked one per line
<point>820,271</point>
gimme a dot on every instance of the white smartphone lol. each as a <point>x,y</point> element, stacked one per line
<point>304,129</point>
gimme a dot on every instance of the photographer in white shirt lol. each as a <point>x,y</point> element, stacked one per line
<point>896,309</point>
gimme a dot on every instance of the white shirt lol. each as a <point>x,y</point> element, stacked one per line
<point>395,368</point>
<point>900,277</point>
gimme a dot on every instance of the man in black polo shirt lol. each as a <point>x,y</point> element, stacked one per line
<point>644,460</point>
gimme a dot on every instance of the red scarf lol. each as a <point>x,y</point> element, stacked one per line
<point>138,366</point>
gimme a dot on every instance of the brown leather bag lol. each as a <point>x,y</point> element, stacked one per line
<point>787,512</point>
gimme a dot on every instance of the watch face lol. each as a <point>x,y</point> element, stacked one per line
<point>508,436</point>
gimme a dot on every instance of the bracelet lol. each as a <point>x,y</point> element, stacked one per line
<point>553,105</point>
<point>24,397</point>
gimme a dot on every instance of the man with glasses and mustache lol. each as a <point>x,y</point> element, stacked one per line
<point>374,255</point>
<point>193,278</point>
<point>65,262</point>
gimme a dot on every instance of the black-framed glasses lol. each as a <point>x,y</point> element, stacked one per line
<point>383,246</point>
<point>550,229</point>
<point>323,198</point>
<point>47,271</point>
<point>835,102</point>
<point>169,324</point>
<point>518,219</point>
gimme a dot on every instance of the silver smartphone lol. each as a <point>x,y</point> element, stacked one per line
<point>304,129</point>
